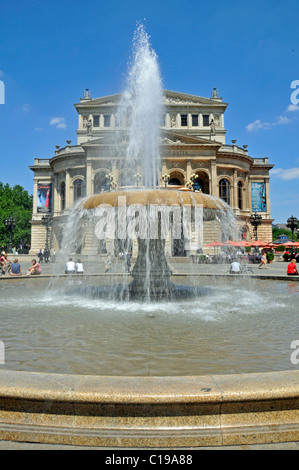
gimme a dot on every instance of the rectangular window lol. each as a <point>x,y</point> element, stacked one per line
<point>184,120</point>
<point>96,121</point>
<point>195,120</point>
<point>107,121</point>
<point>206,120</point>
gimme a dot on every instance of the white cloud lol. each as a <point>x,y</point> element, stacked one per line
<point>257,125</point>
<point>37,129</point>
<point>262,125</point>
<point>281,120</point>
<point>59,122</point>
<point>292,108</point>
<point>1,73</point>
<point>287,174</point>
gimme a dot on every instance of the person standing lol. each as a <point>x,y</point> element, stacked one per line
<point>108,266</point>
<point>40,256</point>
<point>263,261</point>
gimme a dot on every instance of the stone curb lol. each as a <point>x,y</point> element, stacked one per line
<point>143,412</point>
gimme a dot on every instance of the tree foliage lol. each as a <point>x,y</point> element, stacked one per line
<point>277,232</point>
<point>15,202</point>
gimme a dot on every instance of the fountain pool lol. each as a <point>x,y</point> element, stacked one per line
<point>230,328</point>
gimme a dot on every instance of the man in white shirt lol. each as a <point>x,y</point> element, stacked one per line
<point>70,267</point>
<point>235,268</point>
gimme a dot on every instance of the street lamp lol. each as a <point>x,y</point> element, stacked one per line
<point>10,224</point>
<point>47,222</point>
<point>292,224</point>
<point>192,183</point>
<point>110,179</point>
<point>255,220</point>
<point>113,185</point>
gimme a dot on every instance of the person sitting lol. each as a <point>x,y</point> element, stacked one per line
<point>79,267</point>
<point>35,269</point>
<point>292,268</point>
<point>15,269</point>
<point>70,267</point>
<point>235,268</point>
<point>4,262</point>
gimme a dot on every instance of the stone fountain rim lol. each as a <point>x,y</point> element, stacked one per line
<point>155,197</point>
<point>214,388</point>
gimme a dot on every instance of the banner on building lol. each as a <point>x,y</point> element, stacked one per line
<point>44,197</point>
<point>258,197</point>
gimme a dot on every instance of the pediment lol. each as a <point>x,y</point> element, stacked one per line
<point>171,98</point>
<point>184,99</point>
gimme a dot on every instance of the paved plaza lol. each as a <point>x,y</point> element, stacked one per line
<point>184,266</point>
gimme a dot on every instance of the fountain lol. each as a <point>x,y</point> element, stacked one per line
<point>159,211</point>
<point>136,363</point>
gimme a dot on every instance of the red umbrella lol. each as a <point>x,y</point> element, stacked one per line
<point>240,243</point>
<point>290,245</point>
<point>215,244</point>
<point>259,243</point>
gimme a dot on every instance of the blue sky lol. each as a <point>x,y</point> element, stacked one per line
<point>249,50</point>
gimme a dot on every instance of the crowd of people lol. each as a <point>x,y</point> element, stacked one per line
<point>236,261</point>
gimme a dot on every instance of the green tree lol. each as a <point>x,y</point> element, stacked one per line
<point>279,231</point>
<point>15,202</point>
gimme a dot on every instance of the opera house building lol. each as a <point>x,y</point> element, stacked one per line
<point>193,150</point>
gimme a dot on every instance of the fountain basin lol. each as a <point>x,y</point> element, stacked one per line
<point>185,410</point>
<point>150,411</point>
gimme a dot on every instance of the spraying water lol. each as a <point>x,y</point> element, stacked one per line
<point>141,108</point>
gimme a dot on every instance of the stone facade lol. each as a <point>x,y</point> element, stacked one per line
<point>192,141</point>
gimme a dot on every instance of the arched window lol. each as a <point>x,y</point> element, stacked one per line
<point>174,182</point>
<point>79,190</point>
<point>62,196</point>
<point>176,178</point>
<point>224,191</point>
<point>201,182</point>
<point>240,195</point>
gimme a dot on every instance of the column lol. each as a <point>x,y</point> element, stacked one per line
<point>235,190</point>
<point>35,182</point>
<point>214,185</point>
<point>68,202</point>
<point>55,194</point>
<point>267,181</point>
<point>247,199</point>
<point>189,171</point>
<point>89,185</point>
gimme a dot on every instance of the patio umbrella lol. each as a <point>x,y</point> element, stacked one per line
<point>215,244</point>
<point>290,245</point>
<point>259,243</point>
